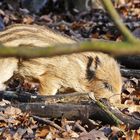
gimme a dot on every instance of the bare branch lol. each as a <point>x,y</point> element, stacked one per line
<point>118,21</point>
<point>114,48</point>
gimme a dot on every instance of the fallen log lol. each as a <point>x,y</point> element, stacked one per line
<point>80,111</point>
<point>69,111</point>
<point>130,73</point>
<point>28,97</point>
<point>73,106</point>
<point>131,62</point>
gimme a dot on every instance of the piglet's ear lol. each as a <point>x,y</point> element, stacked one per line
<point>90,70</point>
<point>92,65</point>
<point>97,62</point>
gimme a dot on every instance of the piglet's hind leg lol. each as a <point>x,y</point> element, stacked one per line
<point>49,85</point>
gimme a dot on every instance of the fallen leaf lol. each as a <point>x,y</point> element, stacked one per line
<point>92,135</point>
<point>12,111</point>
<point>19,133</point>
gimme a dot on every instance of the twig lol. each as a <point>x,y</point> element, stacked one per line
<point>81,128</point>
<point>129,120</point>
<point>115,119</point>
<point>48,122</point>
<point>118,21</point>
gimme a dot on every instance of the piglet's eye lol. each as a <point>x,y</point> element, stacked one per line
<point>107,86</point>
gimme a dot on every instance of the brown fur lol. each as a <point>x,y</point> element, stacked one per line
<point>82,72</point>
